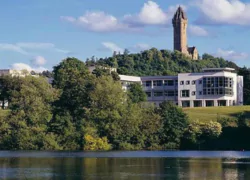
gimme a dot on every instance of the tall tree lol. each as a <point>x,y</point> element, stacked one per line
<point>73,79</point>
<point>31,110</point>
<point>175,121</point>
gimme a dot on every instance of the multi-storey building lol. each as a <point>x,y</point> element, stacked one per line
<point>212,87</point>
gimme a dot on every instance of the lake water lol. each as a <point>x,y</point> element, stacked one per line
<point>138,165</point>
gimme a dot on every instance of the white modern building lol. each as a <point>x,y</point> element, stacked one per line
<point>13,72</point>
<point>212,87</point>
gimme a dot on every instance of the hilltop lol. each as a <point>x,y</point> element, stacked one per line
<point>159,62</point>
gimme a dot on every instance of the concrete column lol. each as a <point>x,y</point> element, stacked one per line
<point>179,103</point>
<point>203,103</point>
<point>227,102</point>
<point>215,103</point>
<point>191,103</point>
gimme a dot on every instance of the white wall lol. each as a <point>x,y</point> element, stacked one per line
<point>236,97</point>
<point>199,87</point>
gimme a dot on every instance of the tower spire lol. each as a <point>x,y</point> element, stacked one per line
<point>180,14</point>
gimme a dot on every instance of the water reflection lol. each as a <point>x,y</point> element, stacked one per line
<point>54,168</point>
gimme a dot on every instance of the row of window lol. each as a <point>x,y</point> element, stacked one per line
<point>188,82</point>
<point>217,91</point>
<point>186,93</point>
<point>198,103</point>
<point>207,103</point>
<point>217,82</point>
<point>207,82</point>
<point>160,83</point>
<point>161,93</point>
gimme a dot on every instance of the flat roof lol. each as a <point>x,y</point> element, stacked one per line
<point>158,77</point>
<point>218,69</point>
<point>130,78</point>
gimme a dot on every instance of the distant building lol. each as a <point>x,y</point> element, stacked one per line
<point>212,87</point>
<point>180,23</point>
<point>13,72</point>
<point>92,68</point>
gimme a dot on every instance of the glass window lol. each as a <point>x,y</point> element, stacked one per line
<point>157,83</point>
<point>185,103</point>
<point>169,82</point>
<point>185,93</point>
<point>200,92</point>
<point>170,93</point>
<point>193,82</point>
<point>204,91</point>
<point>187,82</point>
<point>212,91</point>
<point>200,81</point>
<point>158,94</point>
<point>182,82</point>
<point>148,94</point>
<point>193,93</point>
<point>148,83</point>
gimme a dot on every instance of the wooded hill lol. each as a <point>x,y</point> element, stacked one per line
<point>159,62</point>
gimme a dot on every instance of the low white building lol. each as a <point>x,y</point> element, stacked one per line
<point>19,73</point>
<point>212,87</point>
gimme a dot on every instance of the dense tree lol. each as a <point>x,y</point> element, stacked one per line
<point>107,104</point>
<point>163,62</point>
<point>175,121</point>
<point>73,80</point>
<point>136,93</point>
<point>30,112</point>
<point>8,85</point>
<point>198,133</point>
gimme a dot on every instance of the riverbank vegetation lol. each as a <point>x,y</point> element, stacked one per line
<point>90,111</point>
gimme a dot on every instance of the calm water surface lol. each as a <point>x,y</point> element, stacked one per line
<point>145,165</point>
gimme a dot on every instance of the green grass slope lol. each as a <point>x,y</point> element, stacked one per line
<point>213,113</point>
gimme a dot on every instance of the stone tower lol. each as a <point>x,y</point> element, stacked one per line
<point>180,23</point>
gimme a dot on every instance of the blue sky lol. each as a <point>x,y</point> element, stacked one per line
<point>39,34</point>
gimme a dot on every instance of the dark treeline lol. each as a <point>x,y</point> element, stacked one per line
<point>90,111</point>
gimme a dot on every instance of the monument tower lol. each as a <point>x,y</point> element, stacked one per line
<point>180,23</point>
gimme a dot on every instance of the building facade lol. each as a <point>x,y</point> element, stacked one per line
<point>12,72</point>
<point>212,87</point>
<point>180,23</point>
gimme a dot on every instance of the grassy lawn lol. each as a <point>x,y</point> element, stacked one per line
<point>211,113</point>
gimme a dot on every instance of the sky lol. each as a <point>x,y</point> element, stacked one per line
<point>37,35</point>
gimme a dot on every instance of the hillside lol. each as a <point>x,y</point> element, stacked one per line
<point>158,62</point>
